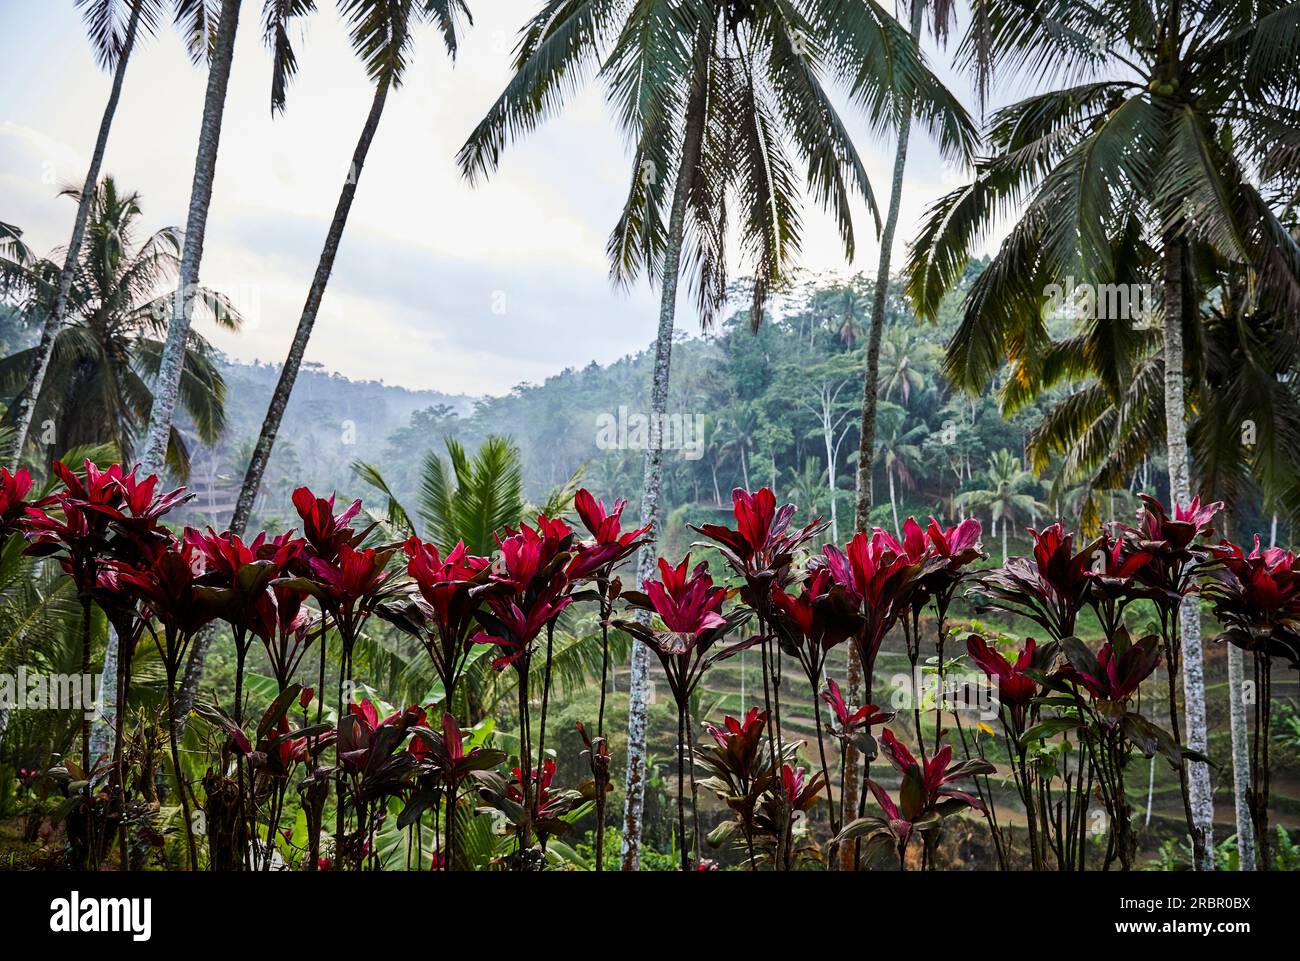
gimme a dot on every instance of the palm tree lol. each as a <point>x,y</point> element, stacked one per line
<point>382,34</point>
<point>113,47</point>
<point>460,498</point>
<point>740,426</point>
<point>96,385</point>
<point>713,94</point>
<point>1006,498</point>
<point>943,13</point>
<point>806,485</point>
<point>1167,112</point>
<point>902,365</point>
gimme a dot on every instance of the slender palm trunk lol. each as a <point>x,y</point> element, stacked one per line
<point>1200,798</point>
<point>871,380</point>
<point>292,364</point>
<point>1240,759</point>
<point>170,366</point>
<point>634,803</point>
<point>26,402</point>
<point>870,390</point>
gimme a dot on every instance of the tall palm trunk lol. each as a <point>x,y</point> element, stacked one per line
<point>1200,800</point>
<point>26,402</point>
<point>634,804</point>
<point>867,432</point>
<point>154,458</point>
<point>170,366</point>
<point>1241,780</point>
<point>289,373</point>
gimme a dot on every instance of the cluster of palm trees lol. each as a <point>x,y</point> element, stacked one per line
<point>1163,149</point>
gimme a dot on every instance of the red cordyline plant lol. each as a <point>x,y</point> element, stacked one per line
<point>761,550</point>
<point>453,766</point>
<point>238,591</point>
<point>1256,598</point>
<point>740,774</point>
<point>271,757</point>
<point>882,578</point>
<point>438,609</point>
<point>84,526</point>
<point>949,554</point>
<point>1050,588</point>
<point>1020,688</point>
<point>686,641</point>
<point>596,560</point>
<point>348,581</point>
<point>375,763</point>
<point>851,727</point>
<point>238,582</point>
<point>926,797</point>
<point>1109,727</point>
<point>790,795</point>
<point>528,591</point>
<point>14,489</point>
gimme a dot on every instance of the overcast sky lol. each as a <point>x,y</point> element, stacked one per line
<point>425,257</point>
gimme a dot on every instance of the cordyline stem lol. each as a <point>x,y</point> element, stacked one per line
<point>241,652</point>
<point>176,763</point>
<point>525,765</point>
<point>345,670</point>
<point>546,690</point>
<point>821,751</point>
<point>451,824</point>
<point>85,672</point>
<point>849,761</point>
<point>1024,787</point>
<point>25,403</point>
<point>1259,767</point>
<point>601,770</point>
<point>1170,635</point>
<point>92,849</point>
<point>773,725</point>
<point>681,787</point>
<point>119,766</point>
<point>695,796</point>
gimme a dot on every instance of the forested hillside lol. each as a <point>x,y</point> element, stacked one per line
<point>746,409</point>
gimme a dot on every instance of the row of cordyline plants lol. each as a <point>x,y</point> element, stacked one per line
<point>294,591</point>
